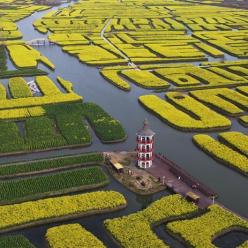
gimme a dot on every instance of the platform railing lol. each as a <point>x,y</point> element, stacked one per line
<point>184,176</point>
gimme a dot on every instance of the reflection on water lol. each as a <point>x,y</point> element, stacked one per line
<point>231,240</point>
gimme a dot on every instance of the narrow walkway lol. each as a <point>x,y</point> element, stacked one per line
<point>124,56</point>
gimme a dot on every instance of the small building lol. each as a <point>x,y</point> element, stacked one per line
<point>117,166</point>
<point>191,196</point>
<point>145,146</point>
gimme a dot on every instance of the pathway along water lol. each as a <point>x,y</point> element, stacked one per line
<point>230,186</point>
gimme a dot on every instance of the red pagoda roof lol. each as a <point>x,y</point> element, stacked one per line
<point>146,131</point>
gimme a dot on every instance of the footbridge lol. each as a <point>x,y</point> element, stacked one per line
<point>39,42</point>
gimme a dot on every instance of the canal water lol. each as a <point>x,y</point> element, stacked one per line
<point>177,146</point>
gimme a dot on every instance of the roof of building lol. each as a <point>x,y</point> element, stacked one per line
<point>117,165</point>
<point>145,131</point>
<point>193,196</point>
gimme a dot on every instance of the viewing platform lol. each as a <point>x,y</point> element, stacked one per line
<point>163,174</point>
<point>179,181</point>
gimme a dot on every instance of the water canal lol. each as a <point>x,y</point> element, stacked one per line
<point>177,146</point>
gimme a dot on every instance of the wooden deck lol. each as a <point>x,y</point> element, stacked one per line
<point>179,181</point>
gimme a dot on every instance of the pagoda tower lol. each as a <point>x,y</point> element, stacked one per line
<point>145,146</point>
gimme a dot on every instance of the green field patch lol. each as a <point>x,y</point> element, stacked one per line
<point>41,133</point>
<point>60,125</point>
<point>3,59</point>
<point>106,128</point>
<point>22,73</point>
<point>13,241</point>
<point>38,166</point>
<point>53,184</point>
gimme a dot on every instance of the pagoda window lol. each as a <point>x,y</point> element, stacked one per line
<point>143,139</point>
<point>147,155</point>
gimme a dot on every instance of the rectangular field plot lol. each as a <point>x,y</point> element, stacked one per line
<point>12,170</point>
<point>72,235</point>
<point>53,184</point>
<point>32,213</point>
